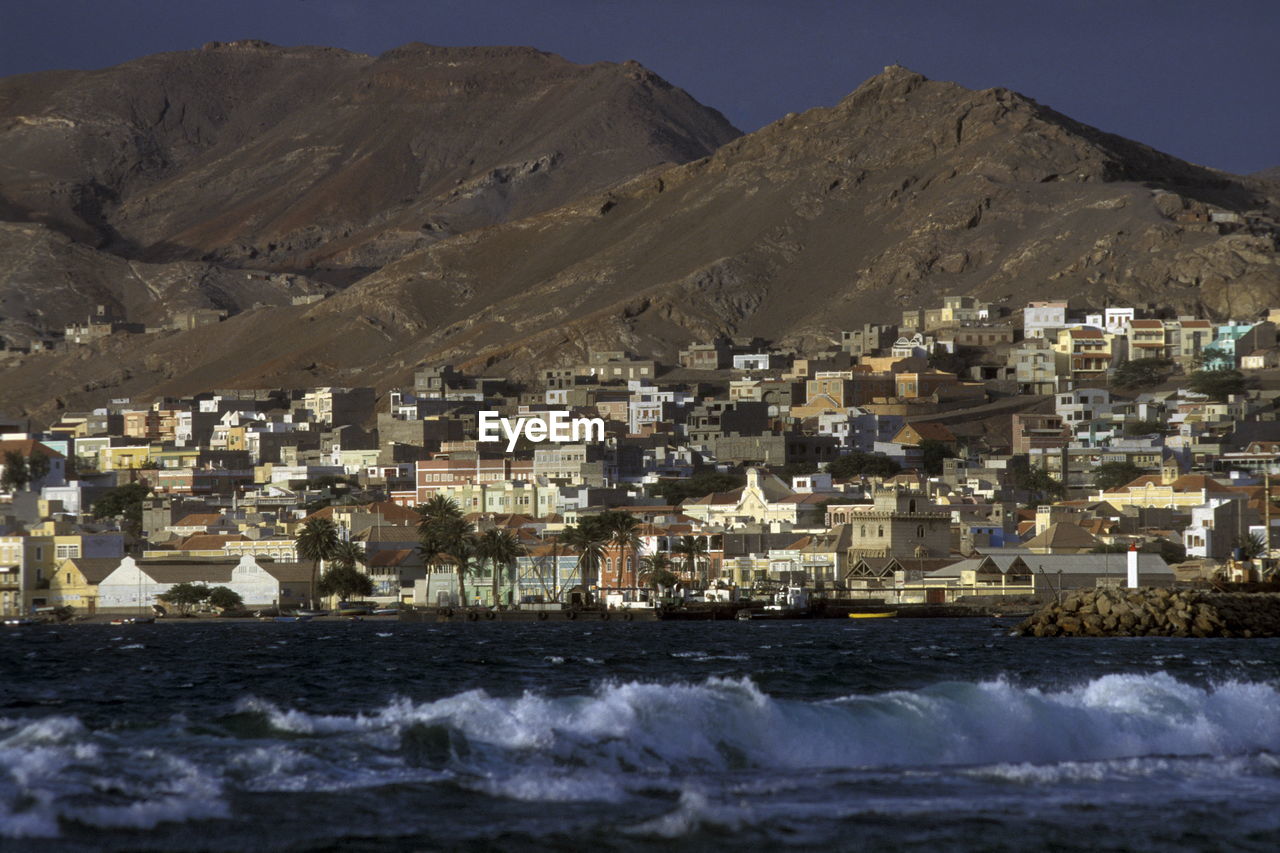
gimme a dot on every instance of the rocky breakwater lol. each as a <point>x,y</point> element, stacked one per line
<point>1156,613</point>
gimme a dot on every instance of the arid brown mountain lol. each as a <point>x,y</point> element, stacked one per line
<point>907,190</point>
<point>317,160</point>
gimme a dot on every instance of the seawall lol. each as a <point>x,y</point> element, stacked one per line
<point>1156,613</point>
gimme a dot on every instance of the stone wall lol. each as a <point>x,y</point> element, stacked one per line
<point>1156,613</point>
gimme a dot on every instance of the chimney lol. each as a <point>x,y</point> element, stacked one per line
<point>1132,565</point>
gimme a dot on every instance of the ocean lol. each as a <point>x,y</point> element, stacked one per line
<point>894,734</point>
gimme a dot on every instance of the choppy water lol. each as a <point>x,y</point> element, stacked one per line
<point>896,734</point>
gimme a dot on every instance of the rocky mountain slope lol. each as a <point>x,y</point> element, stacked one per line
<point>320,161</point>
<point>907,190</point>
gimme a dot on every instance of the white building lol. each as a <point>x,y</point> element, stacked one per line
<point>751,361</point>
<point>1083,404</point>
<point>136,585</point>
<point>1040,316</point>
<point>1113,321</point>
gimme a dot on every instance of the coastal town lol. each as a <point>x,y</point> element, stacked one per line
<point>970,452</point>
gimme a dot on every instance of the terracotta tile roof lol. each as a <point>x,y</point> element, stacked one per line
<point>933,430</point>
<point>198,519</point>
<point>396,557</point>
<point>1062,535</point>
<point>208,541</point>
<point>390,512</point>
<point>1196,482</point>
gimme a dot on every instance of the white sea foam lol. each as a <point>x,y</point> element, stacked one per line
<point>626,738</point>
<point>731,723</point>
<point>695,811</point>
<point>54,770</point>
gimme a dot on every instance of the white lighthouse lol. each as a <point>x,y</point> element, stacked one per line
<point>1132,565</point>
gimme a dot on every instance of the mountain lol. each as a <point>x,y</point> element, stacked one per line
<point>318,161</point>
<point>906,190</point>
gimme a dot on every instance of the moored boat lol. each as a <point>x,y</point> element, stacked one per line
<point>884,614</point>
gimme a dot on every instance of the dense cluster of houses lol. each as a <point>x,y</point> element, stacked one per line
<point>966,452</point>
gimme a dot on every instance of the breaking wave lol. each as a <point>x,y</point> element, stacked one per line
<point>624,738</point>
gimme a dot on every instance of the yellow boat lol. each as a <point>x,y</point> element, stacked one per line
<point>882,615</point>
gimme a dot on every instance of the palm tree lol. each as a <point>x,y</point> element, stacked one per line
<point>621,528</point>
<point>440,520</point>
<point>553,592</point>
<point>694,550</point>
<point>1251,546</point>
<point>348,555</point>
<point>500,547</point>
<point>588,540</point>
<point>430,544</point>
<point>339,578</point>
<point>656,572</point>
<point>463,551</point>
<point>437,509</point>
<point>316,541</point>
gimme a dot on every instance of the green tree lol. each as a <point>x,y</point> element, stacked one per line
<point>317,541</point>
<point>439,521</point>
<point>500,548</point>
<point>1217,384</point>
<point>655,572</point>
<point>123,503</point>
<point>1138,428</point>
<point>859,464</point>
<point>348,554</point>
<point>794,469</point>
<point>621,528</point>
<point>1251,546</point>
<point>1141,373</point>
<point>932,452</point>
<point>462,549</point>
<point>702,483</point>
<point>225,598</point>
<point>1113,475</point>
<point>695,552</point>
<point>345,582</point>
<point>185,596</point>
<point>437,510</point>
<point>1039,482</point>
<point>588,540</point>
<point>37,466</point>
<point>17,473</point>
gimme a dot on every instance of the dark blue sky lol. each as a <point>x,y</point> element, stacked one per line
<point>1196,79</point>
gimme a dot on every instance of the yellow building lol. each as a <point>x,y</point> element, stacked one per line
<point>1152,491</point>
<point>124,458</point>
<point>1089,351</point>
<point>75,583</point>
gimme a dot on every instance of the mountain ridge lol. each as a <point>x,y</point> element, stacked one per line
<point>906,190</point>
